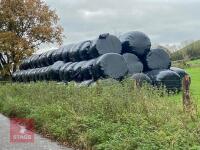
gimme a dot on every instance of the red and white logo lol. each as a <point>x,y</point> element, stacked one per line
<point>21,130</point>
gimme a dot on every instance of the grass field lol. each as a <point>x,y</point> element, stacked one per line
<point>108,116</point>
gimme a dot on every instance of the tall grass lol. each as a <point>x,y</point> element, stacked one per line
<point>106,116</point>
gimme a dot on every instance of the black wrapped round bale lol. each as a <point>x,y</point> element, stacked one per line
<point>106,43</point>
<point>133,63</point>
<point>67,72</point>
<point>170,79</point>
<point>43,73</point>
<point>62,69</point>
<point>34,60</point>
<point>157,59</point>
<point>84,49</point>
<point>20,76</point>
<point>179,71</point>
<point>65,52</point>
<point>57,55</point>
<point>37,74</point>
<point>110,65</point>
<point>53,71</point>
<point>32,75</point>
<point>141,78</point>
<point>25,64</point>
<point>76,72</point>
<point>135,42</point>
<point>48,59</point>
<point>86,69</point>
<point>73,53</point>
<point>15,76</point>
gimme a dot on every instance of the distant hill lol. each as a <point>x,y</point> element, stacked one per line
<point>192,51</point>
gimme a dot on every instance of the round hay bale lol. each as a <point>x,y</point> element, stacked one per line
<point>67,72</point>
<point>48,59</point>
<point>179,71</point>
<point>84,49</point>
<point>53,72</point>
<point>105,43</point>
<point>15,76</point>
<point>135,42</point>
<point>62,69</point>
<point>86,69</point>
<point>170,79</point>
<point>157,59</point>
<point>133,63</point>
<point>74,53</point>
<point>33,60</point>
<point>65,52</point>
<point>76,72</point>
<point>57,55</point>
<point>32,75</point>
<point>110,65</point>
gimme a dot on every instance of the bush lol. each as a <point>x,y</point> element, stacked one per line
<point>105,116</point>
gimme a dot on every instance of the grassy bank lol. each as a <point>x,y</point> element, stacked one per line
<point>108,116</point>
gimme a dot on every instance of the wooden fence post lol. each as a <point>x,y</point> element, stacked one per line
<point>186,93</point>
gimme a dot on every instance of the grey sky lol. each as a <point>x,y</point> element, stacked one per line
<point>165,21</point>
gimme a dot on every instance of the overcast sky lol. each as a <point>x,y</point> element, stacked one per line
<point>164,21</point>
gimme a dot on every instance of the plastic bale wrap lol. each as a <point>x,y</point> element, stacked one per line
<point>48,58</point>
<point>135,42</point>
<point>110,65</point>
<point>32,75</point>
<point>179,71</point>
<point>43,59</point>
<point>56,55</point>
<point>29,75</point>
<point>39,60</point>
<point>141,78</point>
<point>157,59</point>
<point>105,43</point>
<point>170,79</point>
<point>19,76</point>
<point>84,50</point>
<point>65,52</point>
<point>15,76</point>
<point>37,74</point>
<point>73,53</point>
<point>133,63</point>
<point>62,69</point>
<point>86,69</point>
<point>76,72</point>
<point>25,75</point>
<point>33,60</point>
<point>25,64</point>
<point>67,72</point>
<point>53,73</point>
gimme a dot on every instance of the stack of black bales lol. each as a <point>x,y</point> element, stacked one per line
<point>105,57</point>
<point>156,62</point>
<point>87,60</point>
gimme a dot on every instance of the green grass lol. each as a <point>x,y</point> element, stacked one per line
<point>194,71</point>
<point>108,116</point>
<point>195,86</point>
<point>194,63</point>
